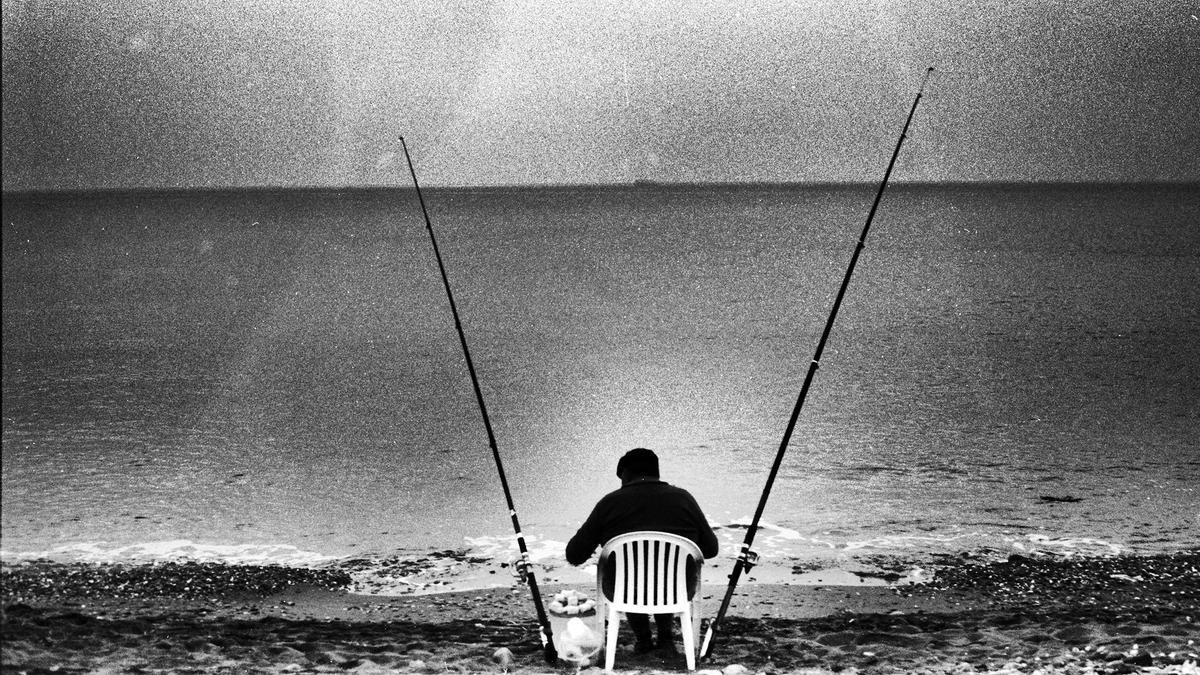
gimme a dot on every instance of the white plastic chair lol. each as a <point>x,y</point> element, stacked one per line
<point>649,577</point>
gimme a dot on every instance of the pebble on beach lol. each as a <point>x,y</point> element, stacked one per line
<point>503,657</point>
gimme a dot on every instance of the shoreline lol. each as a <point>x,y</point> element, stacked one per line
<point>1113,615</point>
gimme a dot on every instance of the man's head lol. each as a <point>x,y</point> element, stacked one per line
<point>637,463</point>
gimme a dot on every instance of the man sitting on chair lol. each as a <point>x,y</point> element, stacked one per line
<point>643,503</point>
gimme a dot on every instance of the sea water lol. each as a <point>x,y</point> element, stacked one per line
<point>275,375</point>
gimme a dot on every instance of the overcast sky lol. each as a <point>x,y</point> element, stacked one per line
<point>193,93</point>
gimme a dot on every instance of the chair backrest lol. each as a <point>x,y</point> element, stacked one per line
<point>650,571</point>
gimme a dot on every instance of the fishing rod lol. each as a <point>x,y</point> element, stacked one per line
<point>747,558</point>
<point>524,567</point>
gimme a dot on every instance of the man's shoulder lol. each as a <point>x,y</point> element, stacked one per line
<point>664,486</point>
<point>656,488</point>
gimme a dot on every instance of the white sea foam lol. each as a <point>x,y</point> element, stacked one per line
<point>173,550</point>
<point>774,539</point>
<point>1040,543</point>
<point>505,547</point>
<point>489,560</point>
<point>910,541</point>
<point>777,540</point>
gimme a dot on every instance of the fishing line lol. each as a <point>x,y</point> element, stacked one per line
<point>525,568</point>
<point>747,558</point>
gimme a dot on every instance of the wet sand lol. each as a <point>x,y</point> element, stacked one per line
<point>1108,615</point>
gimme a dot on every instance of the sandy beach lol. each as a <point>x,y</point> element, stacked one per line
<point>1107,615</point>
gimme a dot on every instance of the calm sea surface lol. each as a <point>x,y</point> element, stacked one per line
<point>1013,366</point>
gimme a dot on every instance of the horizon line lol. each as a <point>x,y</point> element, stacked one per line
<point>638,183</point>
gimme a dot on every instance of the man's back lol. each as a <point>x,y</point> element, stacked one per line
<point>644,504</point>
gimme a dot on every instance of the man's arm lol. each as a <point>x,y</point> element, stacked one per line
<point>585,541</point>
<point>708,540</point>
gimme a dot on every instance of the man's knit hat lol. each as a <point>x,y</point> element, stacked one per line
<point>639,462</point>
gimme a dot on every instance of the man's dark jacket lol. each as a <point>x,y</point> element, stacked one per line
<point>643,505</point>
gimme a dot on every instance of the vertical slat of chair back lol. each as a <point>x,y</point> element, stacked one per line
<point>678,576</point>
<point>625,574</point>
<point>651,586</point>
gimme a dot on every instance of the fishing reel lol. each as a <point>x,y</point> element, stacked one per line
<point>520,570</point>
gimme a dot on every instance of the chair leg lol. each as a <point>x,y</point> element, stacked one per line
<point>611,626</point>
<point>689,638</point>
